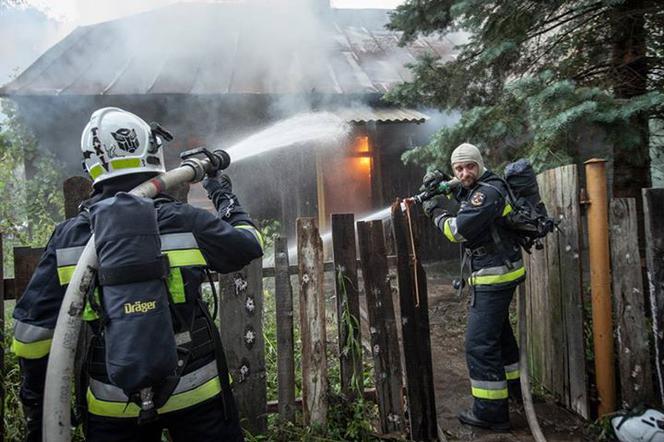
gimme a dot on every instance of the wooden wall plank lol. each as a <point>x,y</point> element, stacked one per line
<point>312,321</point>
<point>241,319</point>
<point>285,341</point>
<point>348,299</point>
<point>414,308</point>
<point>384,340</point>
<point>631,330</point>
<point>653,212</point>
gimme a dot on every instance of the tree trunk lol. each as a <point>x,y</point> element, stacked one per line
<point>630,71</point>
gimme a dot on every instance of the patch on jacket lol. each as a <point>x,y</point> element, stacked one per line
<point>477,199</point>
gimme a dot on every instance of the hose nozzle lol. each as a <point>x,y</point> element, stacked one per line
<point>204,162</point>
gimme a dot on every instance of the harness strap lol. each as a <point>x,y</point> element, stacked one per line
<point>131,273</point>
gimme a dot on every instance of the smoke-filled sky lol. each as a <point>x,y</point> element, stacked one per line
<point>26,33</point>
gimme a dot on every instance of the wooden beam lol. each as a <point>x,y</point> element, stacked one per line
<point>285,343</point>
<point>382,323</point>
<point>348,299</point>
<point>653,210</point>
<point>312,321</point>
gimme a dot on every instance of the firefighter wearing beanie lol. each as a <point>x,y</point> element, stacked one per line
<point>495,269</point>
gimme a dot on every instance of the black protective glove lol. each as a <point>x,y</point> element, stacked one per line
<point>432,179</point>
<point>220,191</point>
<point>437,206</point>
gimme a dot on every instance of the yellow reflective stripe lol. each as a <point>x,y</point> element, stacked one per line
<point>65,273</point>
<point>31,350</point>
<point>188,257</point>
<point>176,402</point>
<point>88,313</point>
<point>176,286</point>
<point>126,163</point>
<point>188,398</point>
<point>95,171</point>
<point>447,230</point>
<point>512,375</point>
<point>483,393</point>
<point>507,209</point>
<point>498,279</point>
<point>253,230</point>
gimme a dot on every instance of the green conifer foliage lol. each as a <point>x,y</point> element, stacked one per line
<point>533,74</point>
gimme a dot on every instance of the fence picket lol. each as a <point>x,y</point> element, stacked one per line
<point>346,289</point>
<point>241,319</point>
<point>285,343</point>
<point>414,326</point>
<point>312,321</point>
<point>631,331</point>
<point>382,323</point>
<point>653,210</point>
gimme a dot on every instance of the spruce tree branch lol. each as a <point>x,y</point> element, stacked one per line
<point>557,25</point>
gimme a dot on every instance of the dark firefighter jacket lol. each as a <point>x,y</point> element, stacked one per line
<point>495,258</point>
<point>193,239</point>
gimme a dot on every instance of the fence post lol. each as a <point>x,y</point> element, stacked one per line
<point>2,341</point>
<point>312,321</point>
<point>631,330</point>
<point>382,323</point>
<point>345,283</point>
<point>241,319</point>
<point>414,326</point>
<point>653,208</point>
<point>598,249</point>
<point>283,293</point>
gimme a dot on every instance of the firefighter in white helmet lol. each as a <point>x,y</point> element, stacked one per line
<point>195,403</point>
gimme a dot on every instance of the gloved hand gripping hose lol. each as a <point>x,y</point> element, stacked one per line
<point>60,372</point>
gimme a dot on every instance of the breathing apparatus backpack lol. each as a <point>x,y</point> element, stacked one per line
<point>528,221</point>
<point>134,306</point>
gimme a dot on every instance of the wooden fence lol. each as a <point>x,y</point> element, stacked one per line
<point>558,289</point>
<point>404,395</point>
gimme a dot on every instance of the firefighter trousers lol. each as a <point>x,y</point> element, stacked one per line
<point>492,354</point>
<point>200,423</point>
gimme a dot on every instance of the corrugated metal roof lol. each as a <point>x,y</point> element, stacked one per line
<point>381,115</point>
<point>217,48</point>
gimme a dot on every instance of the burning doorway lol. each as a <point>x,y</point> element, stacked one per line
<point>345,179</point>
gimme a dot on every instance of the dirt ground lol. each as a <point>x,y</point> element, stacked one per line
<point>447,315</point>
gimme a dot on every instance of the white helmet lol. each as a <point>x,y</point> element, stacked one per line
<point>116,142</point>
<point>646,426</point>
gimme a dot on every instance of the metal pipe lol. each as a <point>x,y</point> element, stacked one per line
<point>528,406</point>
<point>56,426</point>
<point>600,277</point>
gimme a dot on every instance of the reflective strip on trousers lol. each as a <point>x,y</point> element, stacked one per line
<point>512,371</point>
<point>193,388</point>
<point>492,390</point>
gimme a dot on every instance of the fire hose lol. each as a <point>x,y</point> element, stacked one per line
<point>56,425</point>
<point>442,187</point>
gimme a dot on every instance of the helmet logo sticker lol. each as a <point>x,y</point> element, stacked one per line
<point>96,143</point>
<point>127,139</point>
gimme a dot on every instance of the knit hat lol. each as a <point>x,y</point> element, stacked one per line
<point>468,152</point>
